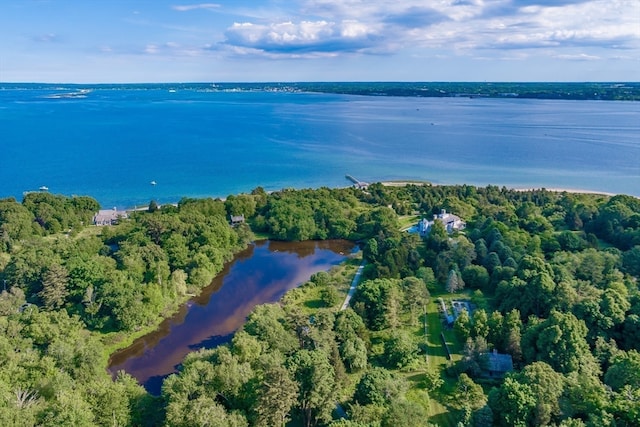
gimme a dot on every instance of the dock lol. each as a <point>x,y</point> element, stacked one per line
<point>357,183</point>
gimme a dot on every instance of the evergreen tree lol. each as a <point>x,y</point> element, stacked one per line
<point>277,395</point>
<point>54,287</point>
<point>454,282</point>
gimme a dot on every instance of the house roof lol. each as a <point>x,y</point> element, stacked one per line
<point>449,221</point>
<point>105,216</point>
<point>497,362</point>
<point>237,218</point>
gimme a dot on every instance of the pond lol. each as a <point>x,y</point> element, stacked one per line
<point>260,274</point>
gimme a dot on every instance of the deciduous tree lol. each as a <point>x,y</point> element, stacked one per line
<point>317,389</point>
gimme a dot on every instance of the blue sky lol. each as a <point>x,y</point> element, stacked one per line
<point>88,41</point>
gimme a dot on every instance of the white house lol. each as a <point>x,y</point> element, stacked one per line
<point>108,216</point>
<point>237,219</point>
<point>450,222</point>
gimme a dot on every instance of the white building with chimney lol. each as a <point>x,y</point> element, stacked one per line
<point>450,222</point>
<point>108,217</point>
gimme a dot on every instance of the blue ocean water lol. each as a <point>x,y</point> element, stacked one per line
<point>111,142</point>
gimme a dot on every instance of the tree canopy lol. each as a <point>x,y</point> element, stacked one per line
<point>551,279</point>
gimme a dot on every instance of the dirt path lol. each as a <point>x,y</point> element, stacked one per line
<point>354,285</point>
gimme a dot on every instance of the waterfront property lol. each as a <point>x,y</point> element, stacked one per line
<point>450,222</point>
<point>236,219</point>
<point>108,217</point>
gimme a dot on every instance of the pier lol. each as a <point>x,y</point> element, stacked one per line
<point>356,183</point>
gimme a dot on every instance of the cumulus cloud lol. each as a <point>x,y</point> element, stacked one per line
<point>552,3</point>
<point>188,7</point>
<point>313,27</point>
<point>415,17</point>
<point>302,37</point>
<point>324,26</point>
<point>566,24</point>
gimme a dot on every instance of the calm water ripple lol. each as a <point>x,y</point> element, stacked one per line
<point>260,274</point>
<point>112,143</point>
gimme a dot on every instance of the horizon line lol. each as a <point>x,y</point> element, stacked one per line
<point>328,81</point>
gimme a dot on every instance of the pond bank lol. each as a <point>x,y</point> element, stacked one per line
<point>260,274</point>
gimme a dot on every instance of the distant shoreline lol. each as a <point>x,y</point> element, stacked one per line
<point>578,91</point>
<point>302,141</point>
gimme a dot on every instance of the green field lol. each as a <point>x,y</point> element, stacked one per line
<point>437,360</point>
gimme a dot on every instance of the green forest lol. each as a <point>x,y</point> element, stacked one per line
<point>547,280</point>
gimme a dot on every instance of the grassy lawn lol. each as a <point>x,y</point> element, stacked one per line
<point>89,231</point>
<point>83,232</point>
<point>259,235</point>
<point>437,361</point>
<point>309,298</point>
<point>407,221</point>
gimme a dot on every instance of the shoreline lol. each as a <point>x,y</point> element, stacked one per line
<point>570,190</point>
<point>404,183</point>
<point>389,183</point>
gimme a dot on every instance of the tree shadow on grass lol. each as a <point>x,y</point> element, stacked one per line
<point>314,303</point>
<point>443,419</point>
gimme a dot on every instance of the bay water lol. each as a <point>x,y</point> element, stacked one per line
<point>113,142</point>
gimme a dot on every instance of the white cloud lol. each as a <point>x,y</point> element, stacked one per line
<point>46,38</point>
<point>578,57</point>
<point>188,7</point>
<point>172,49</point>
<point>459,25</point>
<point>592,23</point>
<point>353,29</point>
<point>151,49</point>
<point>301,38</point>
<point>418,37</point>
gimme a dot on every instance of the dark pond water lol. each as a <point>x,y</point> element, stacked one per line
<point>260,274</point>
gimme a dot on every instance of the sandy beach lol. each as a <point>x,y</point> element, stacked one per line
<point>553,190</point>
<point>566,190</point>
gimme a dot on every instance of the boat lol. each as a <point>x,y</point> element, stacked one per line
<point>153,183</point>
<point>44,188</point>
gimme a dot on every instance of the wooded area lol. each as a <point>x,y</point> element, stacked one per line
<point>551,279</point>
